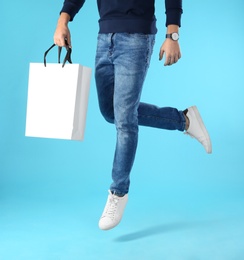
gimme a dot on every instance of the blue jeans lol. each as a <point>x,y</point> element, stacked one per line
<point>122,61</point>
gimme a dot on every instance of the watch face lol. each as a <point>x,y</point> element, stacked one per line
<point>175,36</point>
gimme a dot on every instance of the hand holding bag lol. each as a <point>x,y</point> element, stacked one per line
<point>57,99</point>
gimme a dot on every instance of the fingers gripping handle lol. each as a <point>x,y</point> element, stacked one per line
<point>67,56</point>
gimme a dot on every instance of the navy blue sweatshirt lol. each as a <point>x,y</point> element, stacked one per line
<point>131,16</point>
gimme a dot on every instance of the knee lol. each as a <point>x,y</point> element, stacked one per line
<point>108,115</point>
<point>109,119</point>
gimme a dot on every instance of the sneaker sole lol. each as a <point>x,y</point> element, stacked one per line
<point>200,121</point>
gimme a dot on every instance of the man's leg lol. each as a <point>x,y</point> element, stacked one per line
<point>130,55</point>
<point>170,118</point>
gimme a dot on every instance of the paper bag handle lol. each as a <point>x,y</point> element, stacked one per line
<point>67,56</point>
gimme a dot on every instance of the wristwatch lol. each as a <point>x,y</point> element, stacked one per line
<point>173,36</point>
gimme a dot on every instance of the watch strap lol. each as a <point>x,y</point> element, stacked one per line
<point>169,35</point>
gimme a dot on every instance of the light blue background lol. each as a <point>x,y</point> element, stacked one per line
<point>184,204</point>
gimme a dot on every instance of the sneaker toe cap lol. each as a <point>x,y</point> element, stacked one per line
<point>106,223</point>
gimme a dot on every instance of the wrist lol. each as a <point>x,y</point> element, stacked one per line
<point>172,28</point>
<point>64,19</point>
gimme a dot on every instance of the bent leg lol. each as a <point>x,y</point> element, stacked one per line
<point>168,118</point>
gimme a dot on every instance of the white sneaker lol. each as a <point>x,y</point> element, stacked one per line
<point>197,129</point>
<point>113,211</point>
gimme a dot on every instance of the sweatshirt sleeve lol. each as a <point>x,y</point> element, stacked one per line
<point>72,7</point>
<point>173,12</point>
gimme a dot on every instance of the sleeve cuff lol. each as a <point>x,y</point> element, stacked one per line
<point>173,17</point>
<point>72,8</point>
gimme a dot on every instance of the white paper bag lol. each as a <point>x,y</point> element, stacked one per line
<point>57,101</point>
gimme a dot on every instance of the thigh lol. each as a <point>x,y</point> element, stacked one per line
<point>132,53</point>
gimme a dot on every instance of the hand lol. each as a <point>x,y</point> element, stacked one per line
<point>62,31</point>
<point>172,52</point>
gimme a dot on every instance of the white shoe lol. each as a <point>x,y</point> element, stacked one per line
<point>197,129</point>
<point>113,211</point>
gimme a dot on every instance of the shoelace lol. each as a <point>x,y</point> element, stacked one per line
<point>112,207</point>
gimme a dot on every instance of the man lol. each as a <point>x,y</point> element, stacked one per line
<point>126,37</point>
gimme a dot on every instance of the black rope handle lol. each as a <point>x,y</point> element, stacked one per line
<point>67,56</point>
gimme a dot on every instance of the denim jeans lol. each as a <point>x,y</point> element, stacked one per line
<point>122,61</point>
